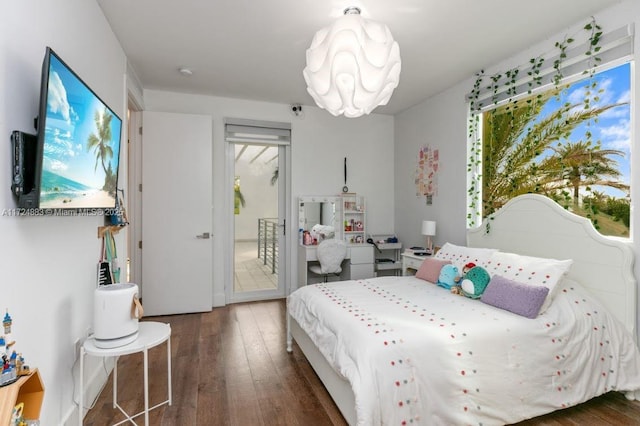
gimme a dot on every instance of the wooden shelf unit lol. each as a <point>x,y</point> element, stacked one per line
<point>28,390</point>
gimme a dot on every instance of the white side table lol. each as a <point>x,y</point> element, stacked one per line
<point>150,334</point>
<point>411,261</point>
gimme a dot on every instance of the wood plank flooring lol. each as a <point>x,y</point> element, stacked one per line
<point>230,367</point>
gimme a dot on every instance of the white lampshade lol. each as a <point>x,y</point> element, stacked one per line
<point>428,228</point>
<point>353,66</point>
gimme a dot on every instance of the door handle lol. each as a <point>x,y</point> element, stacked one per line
<point>204,236</point>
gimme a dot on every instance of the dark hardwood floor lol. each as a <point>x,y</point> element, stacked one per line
<point>230,367</point>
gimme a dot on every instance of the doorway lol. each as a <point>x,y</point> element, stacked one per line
<point>257,166</point>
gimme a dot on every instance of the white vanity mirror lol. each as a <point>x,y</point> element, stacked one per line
<point>319,210</point>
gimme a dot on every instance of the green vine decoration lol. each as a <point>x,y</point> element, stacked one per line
<point>562,46</point>
<point>592,92</point>
<point>475,149</point>
<point>509,86</point>
<point>511,89</point>
<point>595,33</point>
<point>594,45</point>
<point>495,86</point>
<point>534,74</point>
<point>512,76</point>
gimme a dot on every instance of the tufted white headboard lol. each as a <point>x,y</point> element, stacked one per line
<point>535,225</point>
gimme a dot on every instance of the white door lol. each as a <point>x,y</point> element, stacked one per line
<point>176,213</point>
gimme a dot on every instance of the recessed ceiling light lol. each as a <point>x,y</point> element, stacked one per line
<point>185,71</point>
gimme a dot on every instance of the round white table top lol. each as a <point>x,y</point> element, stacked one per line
<point>150,334</point>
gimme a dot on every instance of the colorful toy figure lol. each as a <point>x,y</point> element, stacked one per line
<point>12,362</point>
<point>8,342</point>
<point>6,322</point>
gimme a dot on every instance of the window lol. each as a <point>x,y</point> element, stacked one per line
<point>558,126</point>
<point>571,143</point>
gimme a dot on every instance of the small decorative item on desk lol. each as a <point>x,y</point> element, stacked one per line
<point>307,239</point>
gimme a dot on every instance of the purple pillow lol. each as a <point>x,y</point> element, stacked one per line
<point>430,269</point>
<point>522,299</point>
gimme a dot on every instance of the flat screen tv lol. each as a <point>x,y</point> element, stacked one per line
<point>78,147</point>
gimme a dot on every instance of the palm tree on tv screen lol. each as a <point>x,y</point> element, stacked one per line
<point>100,142</point>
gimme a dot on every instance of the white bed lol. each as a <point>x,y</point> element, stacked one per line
<point>471,391</point>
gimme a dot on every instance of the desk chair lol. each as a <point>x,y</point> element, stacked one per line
<point>331,253</point>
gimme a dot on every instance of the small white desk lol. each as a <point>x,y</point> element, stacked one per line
<point>411,261</point>
<point>150,334</point>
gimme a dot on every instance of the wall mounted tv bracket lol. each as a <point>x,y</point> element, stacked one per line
<point>24,147</point>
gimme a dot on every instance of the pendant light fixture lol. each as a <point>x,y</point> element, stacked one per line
<point>353,66</point>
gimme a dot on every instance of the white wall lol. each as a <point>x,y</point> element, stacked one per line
<point>48,264</point>
<point>441,122</point>
<point>319,144</point>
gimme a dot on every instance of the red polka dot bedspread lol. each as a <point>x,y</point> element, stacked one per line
<point>414,353</point>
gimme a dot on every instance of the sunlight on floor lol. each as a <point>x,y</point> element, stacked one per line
<point>250,272</point>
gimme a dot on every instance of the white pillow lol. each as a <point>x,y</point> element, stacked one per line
<point>461,255</point>
<point>530,270</point>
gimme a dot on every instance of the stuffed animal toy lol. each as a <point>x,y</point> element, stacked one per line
<point>322,232</point>
<point>448,274</point>
<point>475,282</point>
<point>456,289</point>
<point>466,268</point>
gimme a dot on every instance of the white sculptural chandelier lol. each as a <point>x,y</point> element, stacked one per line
<point>353,66</point>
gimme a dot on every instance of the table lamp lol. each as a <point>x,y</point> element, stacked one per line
<point>429,229</point>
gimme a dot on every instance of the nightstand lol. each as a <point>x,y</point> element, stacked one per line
<point>411,263</point>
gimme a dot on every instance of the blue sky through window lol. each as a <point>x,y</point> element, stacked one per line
<point>612,127</point>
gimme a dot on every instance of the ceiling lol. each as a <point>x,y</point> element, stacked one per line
<point>259,154</point>
<point>255,50</point>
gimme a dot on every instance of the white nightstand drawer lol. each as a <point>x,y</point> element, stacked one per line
<point>411,263</point>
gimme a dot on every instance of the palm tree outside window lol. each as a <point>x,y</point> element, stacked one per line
<point>571,144</point>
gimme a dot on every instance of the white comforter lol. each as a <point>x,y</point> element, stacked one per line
<point>416,354</point>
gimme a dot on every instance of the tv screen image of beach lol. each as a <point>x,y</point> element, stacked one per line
<point>81,145</point>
